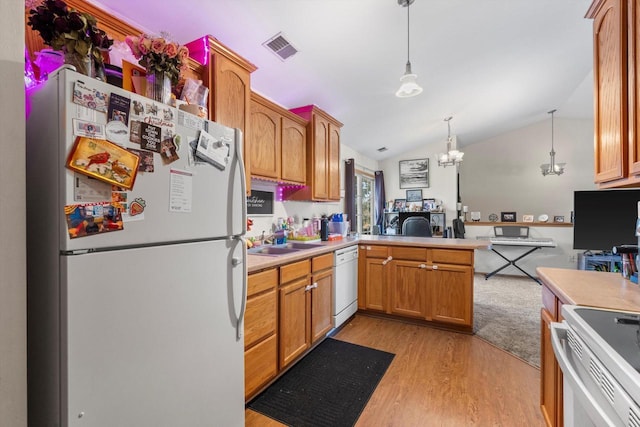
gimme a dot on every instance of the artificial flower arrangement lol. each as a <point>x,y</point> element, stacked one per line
<point>157,54</point>
<point>68,30</point>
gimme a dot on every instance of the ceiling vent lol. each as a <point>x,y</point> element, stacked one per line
<point>280,47</point>
<point>382,149</point>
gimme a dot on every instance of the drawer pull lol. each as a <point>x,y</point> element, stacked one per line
<point>435,267</point>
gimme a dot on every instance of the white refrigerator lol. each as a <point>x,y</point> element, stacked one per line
<point>140,326</point>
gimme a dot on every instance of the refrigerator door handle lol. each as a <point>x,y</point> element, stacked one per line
<point>243,183</point>
<point>243,306</point>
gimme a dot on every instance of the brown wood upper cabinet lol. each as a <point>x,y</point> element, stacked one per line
<point>277,142</point>
<point>323,157</point>
<point>616,92</point>
<point>228,77</point>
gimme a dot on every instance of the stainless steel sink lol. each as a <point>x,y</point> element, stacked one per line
<point>283,249</point>
<point>271,250</point>
<point>300,245</point>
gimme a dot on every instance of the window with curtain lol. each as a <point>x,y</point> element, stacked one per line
<point>365,199</point>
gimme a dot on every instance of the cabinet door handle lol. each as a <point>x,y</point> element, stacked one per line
<point>386,261</point>
<point>307,288</point>
<point>423,266</point>
<point>315,285</point>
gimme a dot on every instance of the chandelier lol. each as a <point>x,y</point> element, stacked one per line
<point>408,85</point>
<point>552,168</point>
<point>452,156</point>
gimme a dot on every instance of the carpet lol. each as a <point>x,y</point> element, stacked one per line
<point>507,314</point>
<point>329,387</point>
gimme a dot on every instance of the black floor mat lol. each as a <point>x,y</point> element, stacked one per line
<point>328,387</point>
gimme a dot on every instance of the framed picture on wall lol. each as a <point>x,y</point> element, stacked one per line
<point>558,218</point>
<point>508,216</point>
<point>399,205</point>
<point>414,173</point>
<point>414,196</point>
<point>428,204</point>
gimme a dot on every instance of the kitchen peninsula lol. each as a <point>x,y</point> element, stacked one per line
<point>422,280</point>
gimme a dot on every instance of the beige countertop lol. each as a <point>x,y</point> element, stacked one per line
<point>261,262</point>
<point>426,242</point>
<point>592,288</point>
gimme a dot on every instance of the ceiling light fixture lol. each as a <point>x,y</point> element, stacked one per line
<point>552,168</point>
<point>408,85</point>
<point>452,156</point>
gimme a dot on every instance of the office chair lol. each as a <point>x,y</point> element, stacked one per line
<point>416,226</point>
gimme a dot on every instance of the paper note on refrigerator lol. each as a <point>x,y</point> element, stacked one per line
<point>181,191</point>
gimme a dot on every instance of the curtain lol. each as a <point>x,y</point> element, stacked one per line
<point>380,200</point>
<point>349,196</point>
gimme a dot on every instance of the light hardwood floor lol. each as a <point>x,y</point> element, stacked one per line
<point>440,378</point>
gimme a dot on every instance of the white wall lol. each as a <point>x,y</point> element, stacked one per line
<point>300,210</point>
<point>13,375</point>
<point>503,173</point>
<point>442,181</point>
<point>347,152</point>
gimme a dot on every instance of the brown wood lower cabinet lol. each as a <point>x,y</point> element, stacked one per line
<point>409,290</point>
<point>451,298</point>
<point>425,284</point>
<point>294,319</point>
<point>373,272</point>
<point>321,296</point>
<point>288,311</point>
<point>551,389</point>
<point>260,335</point>
<point>305,305</point>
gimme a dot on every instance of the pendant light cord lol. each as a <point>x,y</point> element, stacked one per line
<point>551,112</point>
<point>408,6</point>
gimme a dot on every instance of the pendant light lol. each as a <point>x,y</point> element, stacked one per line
<point>552,168</point>
<point>408,85</point>
<point>452,156</point>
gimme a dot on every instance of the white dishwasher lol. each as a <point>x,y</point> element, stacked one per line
<point>345,291</point>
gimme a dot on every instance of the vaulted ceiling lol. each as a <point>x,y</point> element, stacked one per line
<point>494,65</point>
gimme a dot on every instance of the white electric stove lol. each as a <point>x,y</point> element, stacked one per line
<point>599,354</point>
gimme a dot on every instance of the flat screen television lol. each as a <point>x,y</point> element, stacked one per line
<point>604,219</point>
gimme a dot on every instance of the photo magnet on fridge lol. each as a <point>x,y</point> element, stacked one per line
<point>90,97</point>
<point>104,161</point>
<point>146,160</point>
<point>150,137</point>
<point>168,151</point>
<point>134,131</point>
<point>119,108</point>
<point>89,129</point>
<point>93,218</point>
